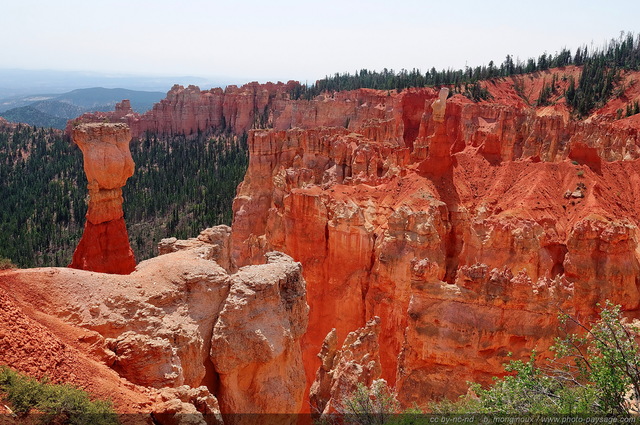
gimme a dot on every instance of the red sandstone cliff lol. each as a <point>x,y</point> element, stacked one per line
<point>238,109</point>
<point>465,236</point>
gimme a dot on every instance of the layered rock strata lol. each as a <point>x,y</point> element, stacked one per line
<point>506,128</point>
<point>464,226</point>
<point>104,246</point>
<point>453,226</point>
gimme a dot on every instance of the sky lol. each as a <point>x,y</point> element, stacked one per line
<point>271,40</point>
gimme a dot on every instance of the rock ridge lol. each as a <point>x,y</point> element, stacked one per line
<point>451,225</point>
<point>182,324</point>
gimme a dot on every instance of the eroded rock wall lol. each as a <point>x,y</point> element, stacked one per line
<point>465,234</point>
<point>256,340</point>
<point>465,227</point>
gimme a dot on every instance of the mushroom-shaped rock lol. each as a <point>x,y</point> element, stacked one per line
<point>104,246</point>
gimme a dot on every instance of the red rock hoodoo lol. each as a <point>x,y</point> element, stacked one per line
<point>342,370</point>
<point>104,246</point>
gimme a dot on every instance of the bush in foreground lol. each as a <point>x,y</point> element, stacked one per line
<point>595,372</point>
<point>60,404</point>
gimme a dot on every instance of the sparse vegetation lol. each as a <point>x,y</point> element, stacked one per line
<point>375,405</point>
<point>544,98</point>
<point>6,263</point>
<point>60,404</point>
<point>476,92</point>
<point>594,372</point>
<point>600,75</point>
<point>518,86</point>
<point>632,108</point>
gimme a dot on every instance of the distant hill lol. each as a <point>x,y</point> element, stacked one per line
<point>58,108</point>
<point>23,82</point>
<point>32,116</point>
<point>97,97</point>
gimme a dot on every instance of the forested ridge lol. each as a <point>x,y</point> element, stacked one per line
<point>602,68</point>
<point>179,187</point>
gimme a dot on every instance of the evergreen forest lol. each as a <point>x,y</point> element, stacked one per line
<point>602,68</point>
<point>179,187</point>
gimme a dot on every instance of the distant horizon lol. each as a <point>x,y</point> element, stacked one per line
<point>286,40</point>
<point>23,82</point>
<point>223,81</point>
<point>211,81</point>
<point>231,80</point>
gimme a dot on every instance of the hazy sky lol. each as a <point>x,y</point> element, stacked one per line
<point>303,40</point>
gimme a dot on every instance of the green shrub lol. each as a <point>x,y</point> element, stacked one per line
<point>606,357</point>
<point>58,403</point>
<point>22,392</point>
<point>370,406</point>
<point>530,391</point>
<point>5,264</point>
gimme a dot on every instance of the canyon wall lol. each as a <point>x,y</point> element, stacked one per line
<point>465,234</point>
<point>463,227</point>
<point>190,110</point>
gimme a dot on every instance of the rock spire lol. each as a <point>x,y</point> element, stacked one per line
<point>104,246</point>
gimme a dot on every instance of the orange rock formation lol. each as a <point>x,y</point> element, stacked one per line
<point>465,229</point>
<point>104,246</point>
<point>256,340</point>
<point>357,362</point>
<point>181,329</point>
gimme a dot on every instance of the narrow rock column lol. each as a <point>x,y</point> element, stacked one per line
<point>439,160</point>
<point>108,164</point>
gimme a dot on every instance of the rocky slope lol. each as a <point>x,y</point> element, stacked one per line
<point>180,324</point>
